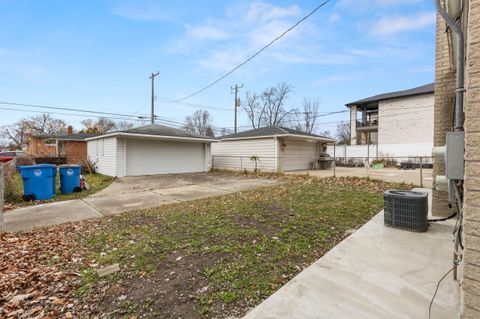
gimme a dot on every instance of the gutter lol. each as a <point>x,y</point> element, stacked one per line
<point>459,63</point>
<point>150,136</point>
<point>322,139</point>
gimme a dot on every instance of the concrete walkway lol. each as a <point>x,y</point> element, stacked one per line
<point>377,272</point>
<point>128,194</point>
<point>387,174</point>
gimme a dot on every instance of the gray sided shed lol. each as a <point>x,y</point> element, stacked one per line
<point>277,149</point>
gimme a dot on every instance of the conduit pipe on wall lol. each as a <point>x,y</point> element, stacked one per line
<point>459,62</point>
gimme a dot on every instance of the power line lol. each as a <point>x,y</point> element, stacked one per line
<point>254,55</point>
<point>141,118</point>
<point>63,113</point>
<point>195,105</point>
<point>66,109</point>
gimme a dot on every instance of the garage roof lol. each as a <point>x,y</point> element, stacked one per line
<point>157,131</point>
<point>273,131</point>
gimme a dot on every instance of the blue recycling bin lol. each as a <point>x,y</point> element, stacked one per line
<point>53,169</point>
<point>69,178</point>
<point>38,181</point>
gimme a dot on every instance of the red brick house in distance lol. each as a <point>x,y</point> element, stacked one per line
<point>71,146</point>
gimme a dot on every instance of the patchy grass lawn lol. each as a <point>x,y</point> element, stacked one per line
<point>96,181</point>
<point>209,258</point>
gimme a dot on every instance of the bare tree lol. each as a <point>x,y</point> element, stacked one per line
<point>225,131</point>
<point>308,117</point>
<point>102,125</point>
<point>254,109</point>
<point>274,103</point>
<point>123,125</point>
<point>45,124</point>
<point>343,133</point>
<point>200,122</point>
<point>268,108</point>
<point>17,134</point>
<point>325,133</point>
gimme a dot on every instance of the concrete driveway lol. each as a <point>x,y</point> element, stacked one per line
<point>387,174</point>
<point>130,193</point>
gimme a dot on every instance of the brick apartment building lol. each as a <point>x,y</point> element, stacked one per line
<point>467,14</point>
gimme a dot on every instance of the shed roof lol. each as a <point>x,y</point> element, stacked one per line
<point>419,90</point>
<point>273,131</point>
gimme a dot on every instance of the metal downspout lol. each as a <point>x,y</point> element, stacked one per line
<point>460,64</point>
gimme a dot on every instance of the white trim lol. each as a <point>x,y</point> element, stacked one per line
<point>205,156</point>
<point>124,156</point>
<point>160,137</point>
<point>276,153</point>
<point>324,139</point>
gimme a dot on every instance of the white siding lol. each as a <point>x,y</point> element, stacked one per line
<point>297,154</point>
<point>236,154</point>
<point>103,152</point>
<point>121,156</point>
<point>406,121</point>
<point>208,156</point>
<point>149,157</point>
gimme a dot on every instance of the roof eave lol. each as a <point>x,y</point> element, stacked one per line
<point>151,136</point>
<point>362,102</point>
<point>319,138</point>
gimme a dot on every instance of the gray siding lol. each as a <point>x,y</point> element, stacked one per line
<point>236,154</point>
<point>297,155</point>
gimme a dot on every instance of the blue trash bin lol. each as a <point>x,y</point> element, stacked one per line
<point>69,178</point>
<point>53,181</point>
<point>38,181</point>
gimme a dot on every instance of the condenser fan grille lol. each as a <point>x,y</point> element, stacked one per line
<point>406,210</point>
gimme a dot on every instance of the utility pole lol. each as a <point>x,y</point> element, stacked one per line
<point>152,77</point>
<point>237,102</point>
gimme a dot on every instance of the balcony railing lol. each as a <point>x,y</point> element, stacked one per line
<point>371,123</point>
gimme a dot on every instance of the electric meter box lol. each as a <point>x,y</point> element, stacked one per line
<point>454,155</point>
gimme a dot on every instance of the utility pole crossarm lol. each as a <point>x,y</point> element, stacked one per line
<point>152,77</point>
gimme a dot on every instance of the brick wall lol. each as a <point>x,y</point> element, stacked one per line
<point>444,108</point>
<point>471,268</point>
<point>75,151</point>
<point>406,120</point>
<point>37,147</point>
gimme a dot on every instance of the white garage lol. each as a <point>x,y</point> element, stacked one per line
<point>271,148</point>
<point>150,150</point>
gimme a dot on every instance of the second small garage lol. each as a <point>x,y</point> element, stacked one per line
<point>150,150</point>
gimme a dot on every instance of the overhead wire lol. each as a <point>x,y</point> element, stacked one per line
<point>63,113</point>
<point>178,122</point>
<point>50,107</point>
<point>254,55</point>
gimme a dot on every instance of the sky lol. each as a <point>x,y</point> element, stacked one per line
<point>98,54</point>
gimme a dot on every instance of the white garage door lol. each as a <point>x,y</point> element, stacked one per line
<point>149,157</point>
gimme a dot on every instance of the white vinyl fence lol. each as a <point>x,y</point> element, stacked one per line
<point>378,151</point>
